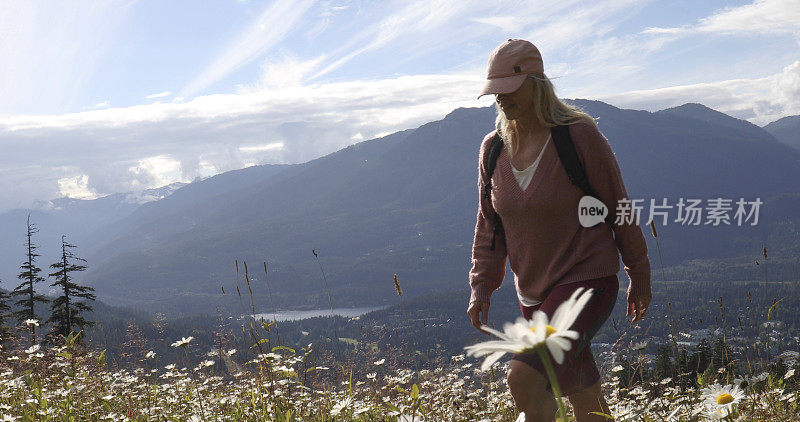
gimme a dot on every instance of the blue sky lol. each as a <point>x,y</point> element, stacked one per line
<point>113,96</point>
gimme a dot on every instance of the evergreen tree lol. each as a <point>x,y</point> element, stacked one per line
<point>66,310</point>
<point>664,367</point>
<point>5,312</point>
<point>29,276</point>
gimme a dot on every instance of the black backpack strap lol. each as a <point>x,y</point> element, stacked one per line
<point>491,163</point>
<point>569,159</point>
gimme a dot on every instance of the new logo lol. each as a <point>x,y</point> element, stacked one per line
<point>591,211</point>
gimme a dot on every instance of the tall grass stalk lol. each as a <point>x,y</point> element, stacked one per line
<point>253,308</point>
<point>330,303</point>
<point>253,334</point>
<point>408,323</point>
<point>766,276</point>
<point>239,292</point>
<point>192,379</point>
<point>768,309</point>
<point>670,320</point>
<point>272,304</point>
<point>724,352</point>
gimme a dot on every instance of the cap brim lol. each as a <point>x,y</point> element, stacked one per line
<point>505,85</point>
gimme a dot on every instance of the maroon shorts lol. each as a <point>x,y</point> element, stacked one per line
<point>579,370</point>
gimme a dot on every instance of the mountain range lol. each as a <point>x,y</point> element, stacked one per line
<point>406,204</point>
<point>786,130</point>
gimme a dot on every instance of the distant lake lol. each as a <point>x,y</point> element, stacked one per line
<point>297,315</point>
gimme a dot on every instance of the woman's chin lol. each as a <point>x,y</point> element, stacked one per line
<point>511,116</point>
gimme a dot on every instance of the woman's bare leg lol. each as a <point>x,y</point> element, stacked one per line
<point>589,400</point>
<point>528,387</point>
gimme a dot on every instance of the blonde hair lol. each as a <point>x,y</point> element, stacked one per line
<point>551,111</point>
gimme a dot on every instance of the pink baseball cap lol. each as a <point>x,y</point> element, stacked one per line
<point>509,65</point>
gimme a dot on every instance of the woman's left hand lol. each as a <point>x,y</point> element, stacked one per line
<point>638,303</point>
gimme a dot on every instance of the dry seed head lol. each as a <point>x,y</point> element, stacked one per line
<point>397,286</point>
<point>653,228</point>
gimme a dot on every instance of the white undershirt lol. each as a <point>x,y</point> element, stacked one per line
<point>524,179</point>
<point>524,176</point>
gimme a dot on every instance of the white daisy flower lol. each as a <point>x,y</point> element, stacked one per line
<point>380,362</point>
<point>758,378</point>
<point>720,400</point>
<point>526,335</point>
<point>183,342</point>
<point>341,405</point>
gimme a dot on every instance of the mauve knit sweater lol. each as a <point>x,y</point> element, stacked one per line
<point>543,240</point>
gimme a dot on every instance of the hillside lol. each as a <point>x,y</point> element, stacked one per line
<point>786,130</point>
<point>406,204</point>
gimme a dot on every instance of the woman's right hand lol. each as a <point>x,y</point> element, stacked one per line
<point>479,312</point>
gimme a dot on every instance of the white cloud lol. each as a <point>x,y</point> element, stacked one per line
<point>569,23</point>
<point>759,100</point>
<point>290,114</point>
<point>786,88</point>
<point>76,187</point>
<point>761,16</point>
<point>427,25</point>
<point>155,171</point>
<point>271,27</point>
<point>100,105</point>
<point>50,51</point>
<point>133,148</point>
<point>286,71</point>
<point>158,95</point>
<point>261,148</point>
<point>505,23</point>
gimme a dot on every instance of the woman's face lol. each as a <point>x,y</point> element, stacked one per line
<point>517,103</point>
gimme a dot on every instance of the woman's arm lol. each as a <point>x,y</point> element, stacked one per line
<point>488,266</point>
<point>605,177</point>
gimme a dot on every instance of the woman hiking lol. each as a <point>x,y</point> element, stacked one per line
<point>528,214</point>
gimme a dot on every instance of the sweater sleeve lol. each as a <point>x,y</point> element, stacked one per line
<point>605,177</point>
<point>488,266</point>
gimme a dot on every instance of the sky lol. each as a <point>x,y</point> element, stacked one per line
<point>100,97</point>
